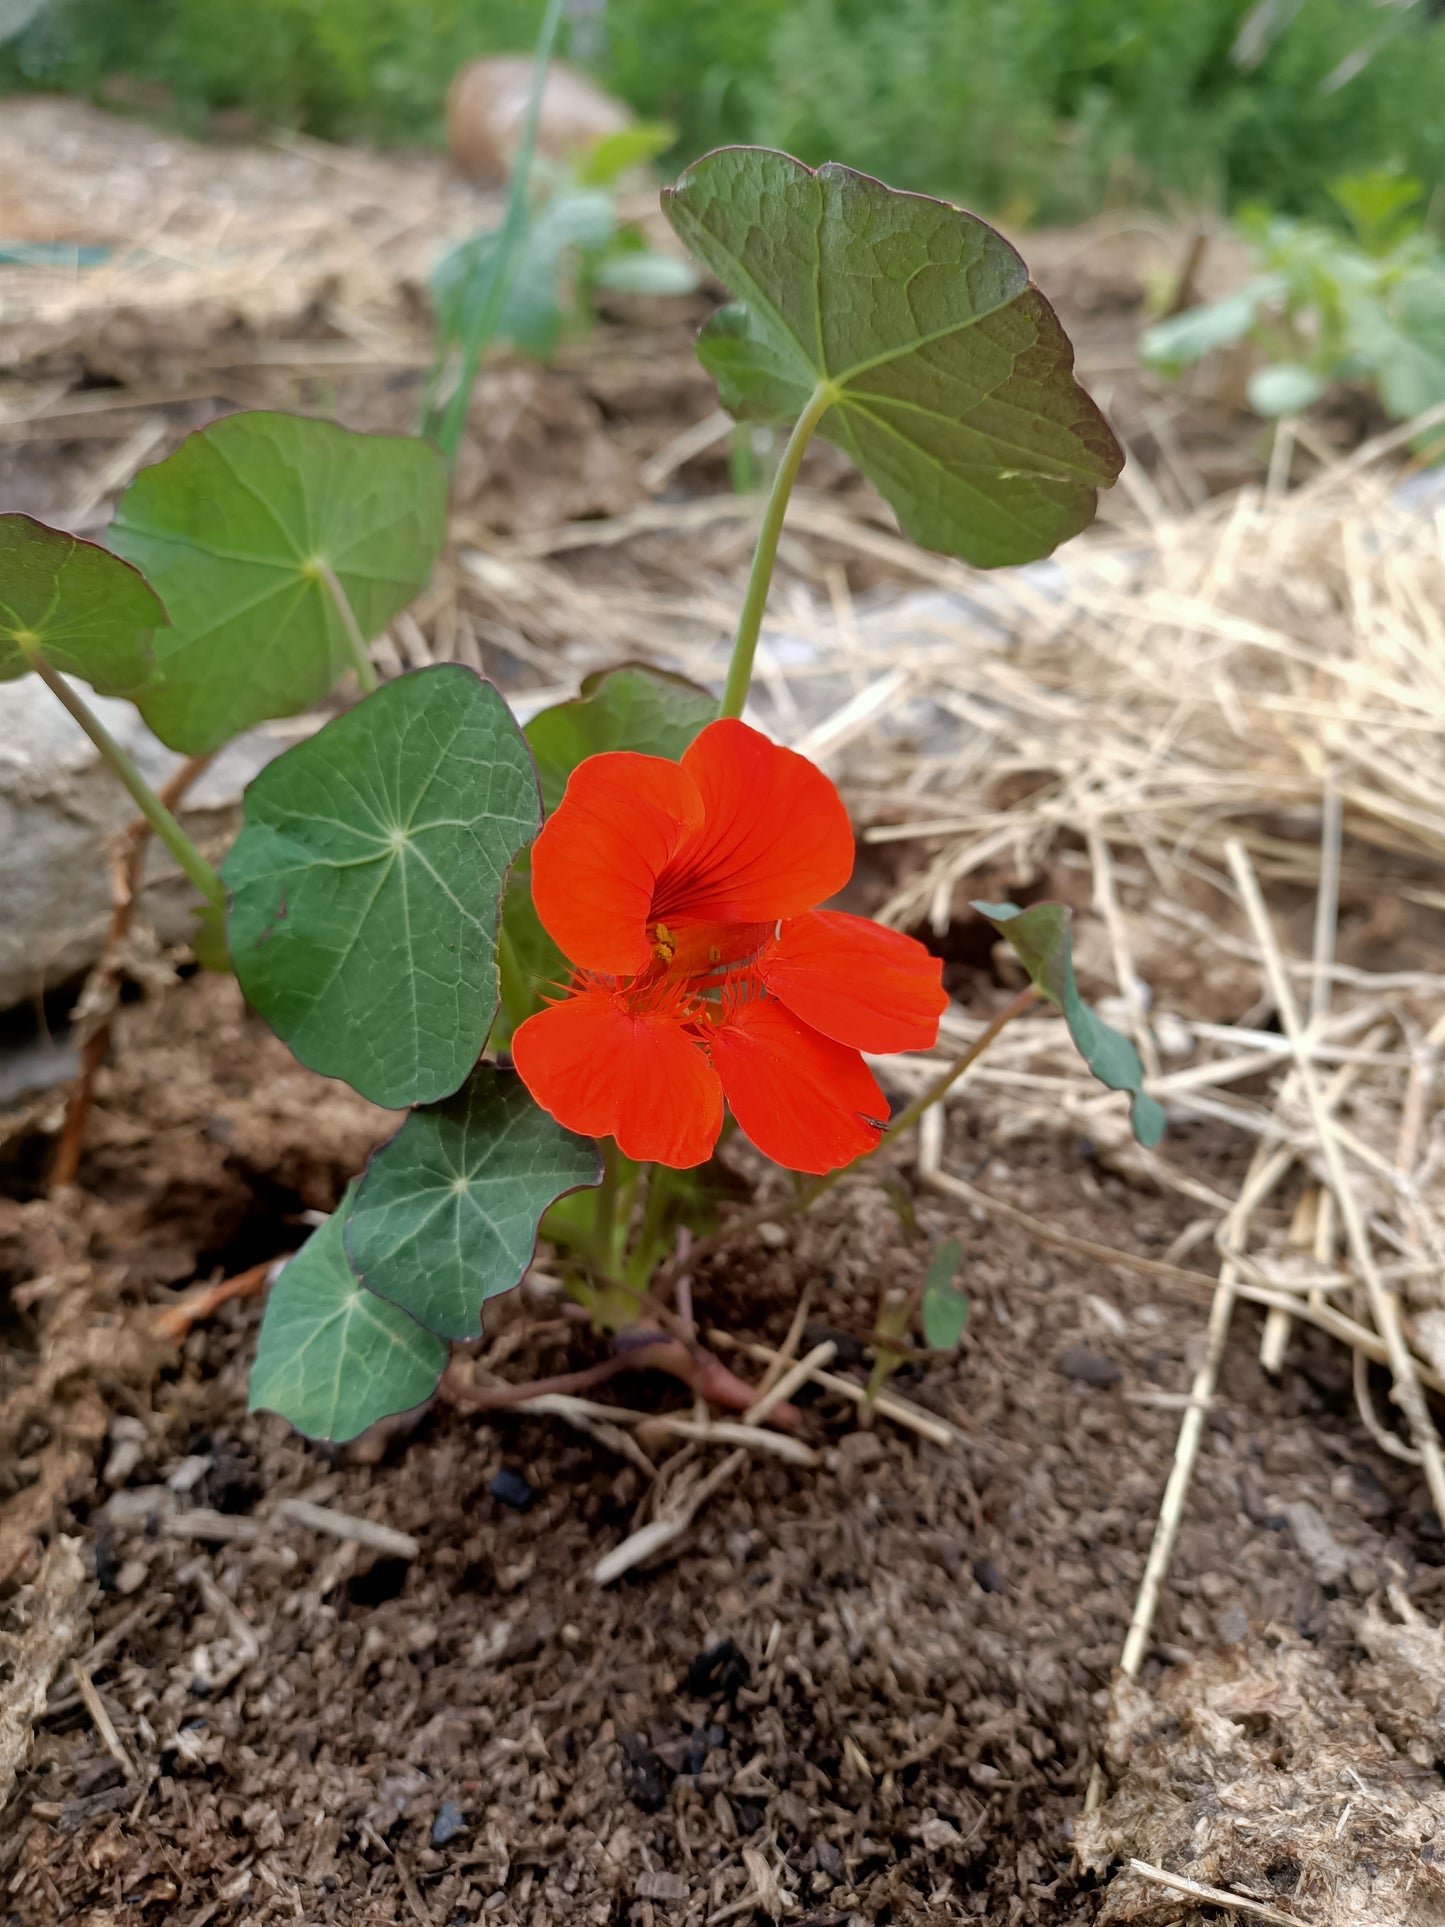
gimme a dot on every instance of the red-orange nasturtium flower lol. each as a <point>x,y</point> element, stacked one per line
<point>684,896</point>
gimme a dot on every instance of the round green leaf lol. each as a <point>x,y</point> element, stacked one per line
<point>1042,939</point>
<point>332,1358</point>
<point>236,531</point>
<point>367,883</point>
<point>446,1214</point>
<point>949,379</point>
<point>84,610</point>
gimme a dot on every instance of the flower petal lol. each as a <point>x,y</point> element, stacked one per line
<point>856,981</point>
<point>606,1071</point>
<point>621,820</point>
<point>775,838</point>
<point>805,1101</point>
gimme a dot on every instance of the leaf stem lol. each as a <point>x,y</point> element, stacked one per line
<point>453,419</point>
<point>142,795</point>
<point>605,1221</point>
<point>750,621</point>
<point>944,1083</point>
<point>360,657</point>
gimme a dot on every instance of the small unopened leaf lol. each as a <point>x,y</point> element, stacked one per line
<point>82,609</point>
<point>333,1358</point>
<point>236,530</point>
<point>367,883</point>
<point>446,1215</point>
<point>1042,939</point>
<point>945,1306</point>
<point>950,380</point>
<point>632,707</point>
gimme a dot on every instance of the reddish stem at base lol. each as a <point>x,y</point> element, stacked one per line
<point>700,1370</point>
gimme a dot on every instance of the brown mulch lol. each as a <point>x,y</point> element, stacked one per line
<point>870,1692</point>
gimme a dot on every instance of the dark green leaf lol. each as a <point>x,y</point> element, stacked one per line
<point>333,1358</point>
<point>950,380</point>
<point>367,883</point>
<point>632,707</point>
<point>1042,938</point>
<point>945,1307</point>
<point>235,531</point>
<point>81,608</point>
<point>446,1215</point>
<point>531,313</point>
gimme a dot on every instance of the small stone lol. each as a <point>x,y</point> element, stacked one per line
<point>131,1577</point>
<point>861,1448</point>
<point>719,1670</point>
<point>450,1821</point>
<point>509,1487</point>
<point>1086,1367</point>
<point>1232,1625</point>
<point>988,1576</point>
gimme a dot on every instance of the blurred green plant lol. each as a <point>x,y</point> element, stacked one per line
<point>1327,307</point>
<point>570,244</point>
<point>1033,107</point>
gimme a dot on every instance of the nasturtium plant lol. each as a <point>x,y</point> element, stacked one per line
<point>912,331</point>
<point>643,878</point>
<point>1042,939</point>
<point>366,883</point>
<point>74,607</point>
<point>280,547</point>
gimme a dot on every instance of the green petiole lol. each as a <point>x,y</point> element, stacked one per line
<point>760,576</point>
<point>144,797</point>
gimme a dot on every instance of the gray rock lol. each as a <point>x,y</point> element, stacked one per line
<point>59,808</point>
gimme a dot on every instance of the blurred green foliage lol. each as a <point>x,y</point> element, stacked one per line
<point>1036,108</point>
<point>1326,307</point>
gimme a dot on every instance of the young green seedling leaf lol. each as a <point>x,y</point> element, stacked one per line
<point>531,313</point>
<point>332,1358</point>
<point>945,1306</point>
<point>944,372</point>
<point>75,605</point>
<point>446,1214</point>
<point>632,707</point>
<point>1042,940</point>
<point>367,883</point>
<point>280,546</point>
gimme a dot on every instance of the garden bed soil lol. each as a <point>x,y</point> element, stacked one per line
<point>870,1691</point>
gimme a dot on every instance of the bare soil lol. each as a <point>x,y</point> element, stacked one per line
<point>869,1692</point>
